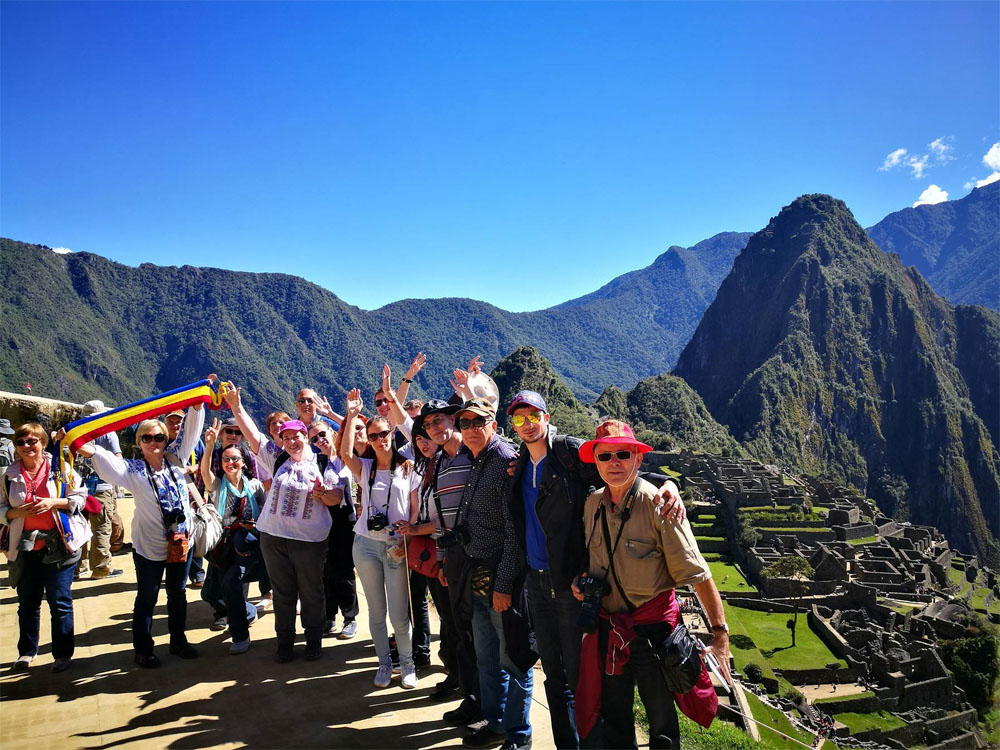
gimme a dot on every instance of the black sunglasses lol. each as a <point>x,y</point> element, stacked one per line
<point>20,443</point>
<point>476,422</point>
<point>378,435</point>
<point>303,400</point>
<point>318,435</point>
<point>381,401</point>
<point>157,438</point>
<point>620,455</point>
<point>233,431</point>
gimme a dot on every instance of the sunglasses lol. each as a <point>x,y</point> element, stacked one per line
<point>26,442</point>
<point>318,435</point>
<point>231,459</point>
<point>434,421</point>
<point>233,431</point>
<point>381,401</point>
<point>157,438</point>
<point>379,435</point>
<point>303,400</point>
<point>518,420</point>
<point>620,455</point>
<point>476,422</point>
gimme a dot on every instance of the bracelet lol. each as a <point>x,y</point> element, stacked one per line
<point>724,628</point>
<point>407,380</point>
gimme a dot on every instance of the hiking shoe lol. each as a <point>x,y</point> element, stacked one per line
<point>106,573</point>
<point>466,713</point>
<point>22,663</point>
<point>183,650</point>
<point>284,654</point>
<point>313,650</point>
<point>349,630</point>
<point>409,676</point>
<point>384,676</point>
<point>147,661</point>
<point>329,627</point>
<point>484,737</point>
<point>61,665</point>
<point>239,647</point>
<point>220,624</point>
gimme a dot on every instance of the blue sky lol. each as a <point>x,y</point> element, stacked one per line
<point>522,153</point>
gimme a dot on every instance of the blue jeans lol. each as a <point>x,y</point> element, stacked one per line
<point>54,582</point>
<point>555,615</point>
<point>386,583</point>
<point>234,593</point>
<point>197,571</point>
<point>149,575</point>
<point>504,689</point>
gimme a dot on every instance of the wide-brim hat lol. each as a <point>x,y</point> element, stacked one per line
<point>5,428</point>
<point>94,407</point>
<point>613,432</point>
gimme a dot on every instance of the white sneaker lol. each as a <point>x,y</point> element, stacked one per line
<point>221,624</point>
<point>266,604</point>
<point>384,676</point>
<point>409,676</point>
<point>239,647</point>
<point>21,665</point>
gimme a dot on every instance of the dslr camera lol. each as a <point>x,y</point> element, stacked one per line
<point>377,522</point>
<point>174,517</point>
<point>593,588</point>
<point>451,537</point>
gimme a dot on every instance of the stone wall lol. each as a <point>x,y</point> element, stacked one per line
<point>959,742</point>
<point>937,729</point>
<point>847,533</point>
<point>20,408</point>
<point>936,692</point>
<point>814,676</point>
<point>760,605</point>
<point>833,640</point>
<point>782,588</point>
<point>863,705</point>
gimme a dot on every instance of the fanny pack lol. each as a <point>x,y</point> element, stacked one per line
<point>679,660</point>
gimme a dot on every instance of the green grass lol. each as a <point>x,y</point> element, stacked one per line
<point>773,639</point>
<point>863,722</point>
<point>796,529</point>
<point>710,538</point>
<point>956,577</point>
<point>720,736</point>
<point>670,472</point>
<point>864,540</point>
<point>842,698</point>
<point>978,599</point>
<point>775,719</point>
<point>732,576</point>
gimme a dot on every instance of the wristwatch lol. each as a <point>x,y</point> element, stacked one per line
<point>723,627</point>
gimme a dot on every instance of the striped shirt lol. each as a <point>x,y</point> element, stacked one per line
<point>452,474</point>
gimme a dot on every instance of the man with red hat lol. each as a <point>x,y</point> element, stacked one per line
<point>636,560</point>
<point>547,493</point>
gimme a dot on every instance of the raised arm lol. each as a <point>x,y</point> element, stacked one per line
<point>189,433</point>
<point>211,435</point>
<point>395,407</point>
<point>353,405</point>
<point>324,409</point>
<point>254,436</point>
<point>411,372</point>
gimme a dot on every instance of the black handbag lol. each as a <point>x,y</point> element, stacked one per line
<point>679,659</point>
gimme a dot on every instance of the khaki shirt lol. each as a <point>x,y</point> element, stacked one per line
<point>653,555</point>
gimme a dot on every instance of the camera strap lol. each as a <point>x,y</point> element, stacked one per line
<point>155,486</point>
<point>372,470</point>
<point>606,533</point>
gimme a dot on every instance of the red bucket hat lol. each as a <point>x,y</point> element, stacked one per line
<point>614,432</point>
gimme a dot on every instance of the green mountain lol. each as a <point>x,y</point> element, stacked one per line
<point>955,245</point>
<point>851,364</point>
<point>80,326</point>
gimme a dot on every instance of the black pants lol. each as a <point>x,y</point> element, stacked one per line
<point>339,583</point>
<point>618,691</point>
<point>459,633</point>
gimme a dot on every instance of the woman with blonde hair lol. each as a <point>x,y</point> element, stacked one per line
<point>160,527</point>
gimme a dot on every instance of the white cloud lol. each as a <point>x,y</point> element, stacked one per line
<point>986,180</point>
<point>933,194</point>
<point>61,250</point>
<point>903,158</point>
<point>893,160</point>
<point>941,148</point>
<point>918,164</point>
<point>992,158</point>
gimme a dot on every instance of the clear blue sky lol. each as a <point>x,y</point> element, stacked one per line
<point>522,153</point>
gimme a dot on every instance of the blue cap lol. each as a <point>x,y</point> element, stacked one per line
<point>527,398</point>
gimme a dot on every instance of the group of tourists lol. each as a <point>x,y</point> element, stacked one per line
<point>550,548</point>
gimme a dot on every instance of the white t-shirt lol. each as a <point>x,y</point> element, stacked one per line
<point>390,494</point>
<point>290,511</point>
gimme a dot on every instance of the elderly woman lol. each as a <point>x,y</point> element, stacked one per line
<point>638,559</point>
<point>294,525</point>
<point>39,561</point>
<point>379,555</point>
<point>160,527</point>
<point>238,497</point>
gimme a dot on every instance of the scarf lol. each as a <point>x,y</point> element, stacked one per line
<point>227,491</point>
<point>172,497</point>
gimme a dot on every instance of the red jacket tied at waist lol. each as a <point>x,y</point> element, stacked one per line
<point>700,705</point>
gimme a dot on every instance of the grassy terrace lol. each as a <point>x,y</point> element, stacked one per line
<point>773,640</point>
<point>729,578</point>
<point>842,698</point>
<point>670,472</point>
<point>864,540</point>
<point>863,722</point>
<point>775,719</point>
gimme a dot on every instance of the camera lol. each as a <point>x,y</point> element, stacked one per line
<point>451,537</point>
<point>174,517</point>
<point>377,522</point>
<point>593,588</point>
